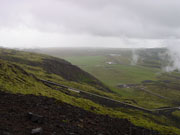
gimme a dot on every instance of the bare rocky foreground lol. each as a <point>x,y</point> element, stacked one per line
<point>29,114</point>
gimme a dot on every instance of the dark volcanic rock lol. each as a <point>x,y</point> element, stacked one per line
<point>37,131</point>
<point>35,118</point>
<point>58,118</point>
<point>4,133</point>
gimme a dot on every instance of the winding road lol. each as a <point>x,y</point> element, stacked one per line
<point>106,100</point>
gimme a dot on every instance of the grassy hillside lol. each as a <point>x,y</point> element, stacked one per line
<point>127,67</point>
<point>117,67</point>
<point>50,65</point>
<point>20,72</point>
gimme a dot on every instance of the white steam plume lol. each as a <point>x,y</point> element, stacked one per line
<point>135,58</point>
<point>173,46</point>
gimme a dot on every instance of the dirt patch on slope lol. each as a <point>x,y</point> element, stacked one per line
<point>57,118</point>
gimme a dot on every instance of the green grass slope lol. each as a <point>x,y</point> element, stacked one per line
<point>50,65</point>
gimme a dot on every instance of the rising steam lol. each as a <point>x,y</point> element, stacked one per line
<point>173,52</point>
<point>135,57</point>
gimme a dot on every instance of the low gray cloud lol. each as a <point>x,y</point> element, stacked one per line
<point>136,19</point>
<point>122,22</point>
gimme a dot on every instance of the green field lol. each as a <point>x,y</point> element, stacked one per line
<point>114,74</point>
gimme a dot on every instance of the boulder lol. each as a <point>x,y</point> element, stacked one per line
<point>37,131</point>
<point>35,118</point>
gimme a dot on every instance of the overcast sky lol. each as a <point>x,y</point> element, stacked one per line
<point>89,23</point>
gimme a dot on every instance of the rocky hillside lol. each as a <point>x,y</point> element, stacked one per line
<point>29,114</point>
